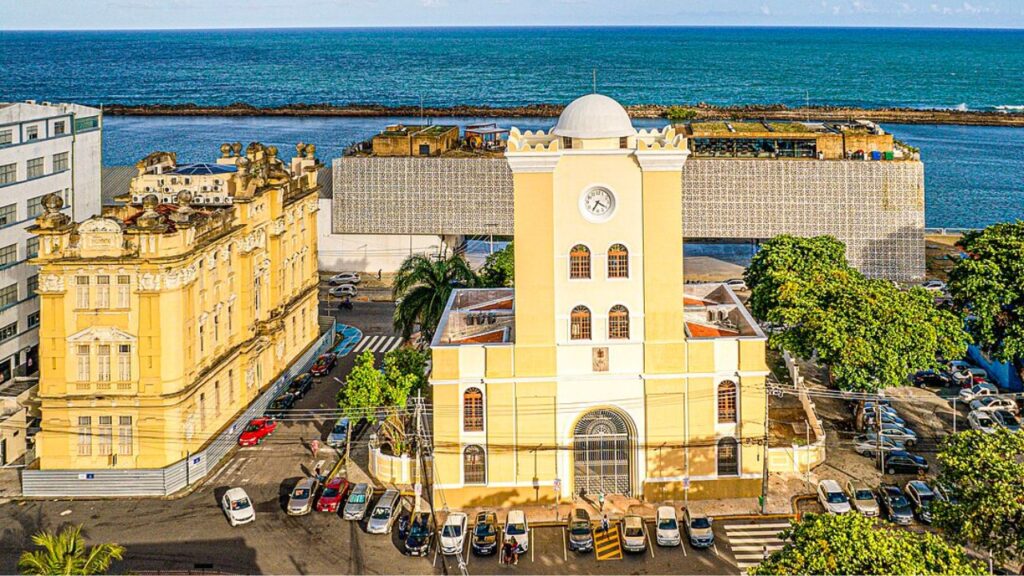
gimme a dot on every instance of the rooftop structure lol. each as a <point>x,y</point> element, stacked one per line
<point>809,140</point>
<point>415,140</point>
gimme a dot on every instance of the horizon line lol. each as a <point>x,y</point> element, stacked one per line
<point>524,27</point>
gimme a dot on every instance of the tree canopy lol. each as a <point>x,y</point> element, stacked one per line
<point>499,268</point>
<point>989,284</point>
<point>984,472</point>
<point>868,333</point>
<point>854,544</point>
<point>422,285</point>
<point>66,553</point>
<point>369,391</point>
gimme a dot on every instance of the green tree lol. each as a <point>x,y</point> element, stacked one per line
<point>364,391</point>
<point>499,269</point>
<point>371,392</point>
<point>988,284</point>
<point>854,544</point>
<point>680,114</point>
<point>867,333</point>
<point>407,361</point>
<point>422,287</point>
<point>984,472</point>
<point>66,553</point>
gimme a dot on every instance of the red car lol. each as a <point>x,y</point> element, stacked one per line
<point>333,495</point>
<point>256,431</point>
<point>324,364</point>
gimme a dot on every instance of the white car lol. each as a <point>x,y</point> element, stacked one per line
<point>344,278</point>
<point>238,507</point>
<point>634,536</point>
<point>977,391</point>
<point>934,285</point>
<point>517,529</point>
<point>982,420</point>
<point>868,444</point>
<point>993,403</point>
<point>343,290</point>
<point>736,284</point>
<point>667,526</point>
<point>453,533</point>
<point>832,497</point>
<point>900,434</point>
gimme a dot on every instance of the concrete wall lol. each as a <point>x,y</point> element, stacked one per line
<point>367,252</point>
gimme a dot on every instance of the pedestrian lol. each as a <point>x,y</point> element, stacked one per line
<point>764,552</point>
<point>379,273</point>
<point>315,447</point>
<point>604,523</point>
<point>318,473</point>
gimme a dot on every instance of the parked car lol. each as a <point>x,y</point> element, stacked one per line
<point>300,385</point>
<point>900,433</point>
<point>667,533</point>
<point>897,507</point>
<point>993,403</point>
<point>342,291</point>
<point>581,531</point>
<point>344,278</point>
<point>301,499</point>
<point>257,431</point>
<point>484,541</point>
<point>333,494</point>
<point>1006,419</point>
<point>518,529</point>
<point>921,497</point>
<point>887,418</point>
<point>736,284</point>
<point>861,498</point>
<point>869,445</point>
<point>324,364</point>
<point>979,375</point>
<point>453,533</point>
<point>385,512</point>
<point>903,462</point>
<point>832,497</point>
<point>926,378</point>
<point>977,391</point>
<point>982,420</point>
<point>417,543</point>
<point>357,503</point>
<point>934,285</point>
<point>238,507</point>
<point>634,536</point>
<point>339,434</point>
<point>944,493</point>
<point>698,529</point>
<point>280,406</point>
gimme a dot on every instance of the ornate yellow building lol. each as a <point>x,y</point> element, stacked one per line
<point>601,372</point>
<point>163,318</point>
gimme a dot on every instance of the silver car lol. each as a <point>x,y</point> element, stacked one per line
<point>301,499</point>
<point>357,503</point>
<point>698,528</point>
<point>385,512</point>
<point>862,498</point>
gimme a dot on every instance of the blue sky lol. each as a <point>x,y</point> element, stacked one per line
<point>116,14</point>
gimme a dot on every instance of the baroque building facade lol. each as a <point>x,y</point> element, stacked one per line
<point>601,372</point>
<point>164,317</point>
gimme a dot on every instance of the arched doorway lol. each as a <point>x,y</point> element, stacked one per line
<point>601,454</point>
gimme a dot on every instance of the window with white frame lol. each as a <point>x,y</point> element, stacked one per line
<point>123,291</point>
<point>81,291</point>
<point>84,363</point>
<point>103,291</point>
<point>474,467</point>
<point>105,435</point>
<point>124,362</point>
<point>125,436</point>
<point>85,436</point>
<point>103,363</point>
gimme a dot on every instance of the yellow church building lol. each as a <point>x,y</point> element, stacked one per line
<point>601,372</point>
<point>164,318</point>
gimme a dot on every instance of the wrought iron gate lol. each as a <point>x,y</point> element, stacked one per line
<point>601,454</point>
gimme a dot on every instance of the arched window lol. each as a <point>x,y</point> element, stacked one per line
<point>728,457</point>
<point>727,402</point>
<point>473,410</point>
<point>618,322</point>
<point>580,328</point>
<point>618,261</point>
<point>474,469</point>
<point>579,262</point>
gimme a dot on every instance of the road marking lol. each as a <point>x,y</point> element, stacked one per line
<point>607,545</point>
<point>565,552</point>
<point>365,343</point>
<point>398,342</point>
<point>650,546</point>
<point>749,542</point>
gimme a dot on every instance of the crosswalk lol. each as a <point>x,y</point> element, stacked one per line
<point>234,471</point>
<point>750,541</point>
<point>378,344</point>
<point>607,545</point>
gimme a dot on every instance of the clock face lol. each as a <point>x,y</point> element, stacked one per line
<point>597,203</point>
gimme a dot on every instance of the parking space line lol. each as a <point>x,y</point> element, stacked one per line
<point>650,546</point>
<point>469,547</point>
<point>529,539</point>
<point>565,552</point>
<point>682,544</point>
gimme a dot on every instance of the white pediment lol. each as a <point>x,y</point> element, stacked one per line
<point>101,334</point>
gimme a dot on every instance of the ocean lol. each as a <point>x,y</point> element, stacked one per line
<point>974,175</point>
<point>974,69</point>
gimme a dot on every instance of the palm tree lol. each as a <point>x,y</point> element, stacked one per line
<point>422,287</point>
<point>65,553</point>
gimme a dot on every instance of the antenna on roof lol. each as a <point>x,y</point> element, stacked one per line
<point>595,80</point>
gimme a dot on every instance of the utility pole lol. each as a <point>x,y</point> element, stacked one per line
<point>764,455</point>
<point>878,434</point>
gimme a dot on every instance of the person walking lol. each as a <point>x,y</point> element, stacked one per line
<point>314,446</point>
<point>604,523</point>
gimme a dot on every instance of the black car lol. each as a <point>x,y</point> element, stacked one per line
<point>484,540</point>
<point>417,543</point>
<point>280,406</point>
<point>902,462</point>
<point>896,506</point>
<point>300,385</point>
<point>926,378</point>
<point>581,536</point>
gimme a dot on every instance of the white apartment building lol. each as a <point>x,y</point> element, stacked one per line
<point>44,148</point>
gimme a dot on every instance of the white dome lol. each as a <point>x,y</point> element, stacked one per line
<point>594,116</point>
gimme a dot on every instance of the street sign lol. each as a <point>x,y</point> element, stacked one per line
<point>558,484</point>
<point>86,476</point>
<point>686,483</point>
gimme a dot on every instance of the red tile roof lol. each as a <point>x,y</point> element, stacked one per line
<point>705,331</point>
